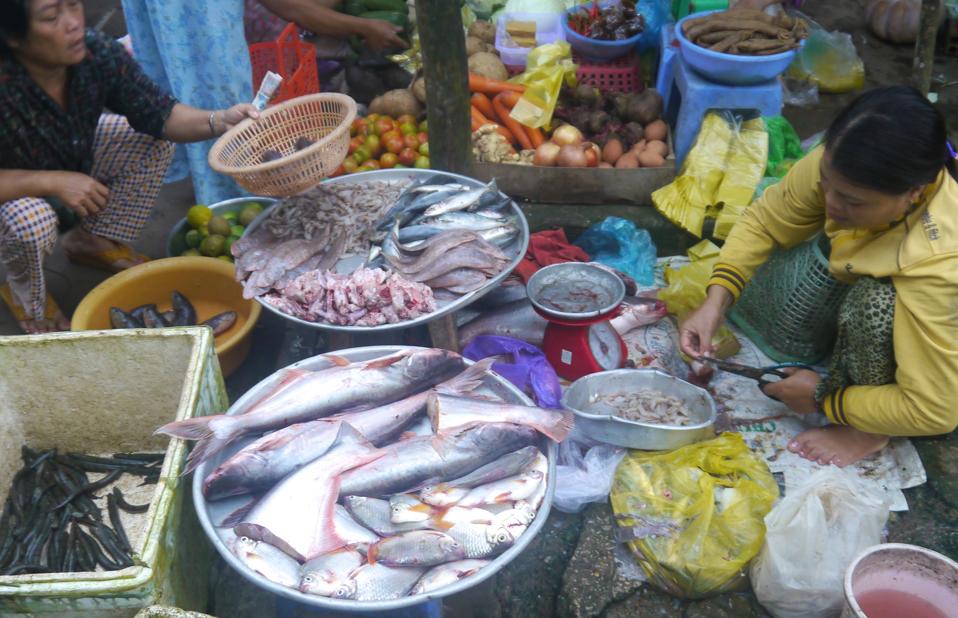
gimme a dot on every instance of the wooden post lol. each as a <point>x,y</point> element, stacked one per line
<point>924,61</point>
<point>444,66</point>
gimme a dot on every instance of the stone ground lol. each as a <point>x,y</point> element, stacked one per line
<point>569,570</point>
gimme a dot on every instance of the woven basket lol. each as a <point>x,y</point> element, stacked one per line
<point>323,118</point>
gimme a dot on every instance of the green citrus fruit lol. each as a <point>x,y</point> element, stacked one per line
<point>249,212</point>
<point>219,225</point>
<point>193,239</point>
<point>198,216</point>
<point>237,230</point>
<point>213,245</point>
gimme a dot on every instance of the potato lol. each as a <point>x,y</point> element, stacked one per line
<point>658,146</point>
<point>612,151</point>
<point>489,66</point>
<point>396,103</point>
<point>419,89</point>
<point>656,130</point>
<point>474,46</point>
<point>648,158</point>
<point>484,31</point>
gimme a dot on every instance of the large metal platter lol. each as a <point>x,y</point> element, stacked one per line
<point>516,249</point>
<point>210,512</point>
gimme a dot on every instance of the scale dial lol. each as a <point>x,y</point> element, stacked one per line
<point>605,346</point>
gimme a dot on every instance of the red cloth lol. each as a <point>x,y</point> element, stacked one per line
<point>547,248</point>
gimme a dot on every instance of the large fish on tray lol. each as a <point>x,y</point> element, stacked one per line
<point>449,412</point>
<point>308,395</point>
<point>410,464</point>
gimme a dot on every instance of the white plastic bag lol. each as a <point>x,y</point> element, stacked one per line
<point>811,536</point>
<point>584,474</point>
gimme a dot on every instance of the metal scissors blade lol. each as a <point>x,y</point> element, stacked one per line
<point>759,374</point>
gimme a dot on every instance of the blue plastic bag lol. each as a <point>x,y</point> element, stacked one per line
<point>656,13</point>
<point>529,370</point>
<point>616,242</point>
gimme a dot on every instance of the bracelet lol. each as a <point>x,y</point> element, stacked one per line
<point>212,128</point>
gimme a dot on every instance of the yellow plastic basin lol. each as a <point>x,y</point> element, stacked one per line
<point>208,283</point>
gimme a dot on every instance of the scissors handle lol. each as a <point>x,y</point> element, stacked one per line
<point>776,370</point>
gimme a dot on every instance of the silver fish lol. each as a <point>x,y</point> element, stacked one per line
<point>409,464</point>
<point>407,509</point>
<point>517,319</point>
<point>444,574</point>
<point>448,412</point>
<point>458,221</point>
<point>378,582</point>
<point>417,548</point>
<point>512,488</point>
<point>434,188</point>
<point>309,395</point>
<point>268,561</point>
<point>324,574</point>
<point>463,201</point>
<point>447,494</point>
<point>483,540</point>
<point>470,255</point>
<point>297,515</point>
<point>350,531</point>
<point>376,515</point>
<point>500,236</point>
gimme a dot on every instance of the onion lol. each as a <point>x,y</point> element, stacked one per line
<point>572,155</point>
<point>567,135</point>
<point>546,154</point>
<point>592,154</point>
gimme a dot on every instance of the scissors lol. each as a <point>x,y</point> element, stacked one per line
<point>759,374</point>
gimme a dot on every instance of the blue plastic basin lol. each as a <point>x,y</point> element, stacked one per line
<point>595,49</point>
<point>730,68</point>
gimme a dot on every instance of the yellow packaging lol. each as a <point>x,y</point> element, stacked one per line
<point>547,68</point>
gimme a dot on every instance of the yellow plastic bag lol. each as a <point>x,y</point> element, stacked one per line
<point>744,169</point>
<point>547,68</point>
<point>830,61</point>
<point>695,515</point>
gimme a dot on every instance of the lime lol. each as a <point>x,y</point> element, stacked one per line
<point>249,212</point>
<point>193,239</point>
<point>231,215</point>
<point>225,258</point>
<point>190,252</point>
<point>213,245</point>
<point>219,225</point>
<point>229,243</point>
<point>237,230</point>
<point>199,215</point>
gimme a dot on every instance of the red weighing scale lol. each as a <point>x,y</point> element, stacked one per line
<point>578,300</point>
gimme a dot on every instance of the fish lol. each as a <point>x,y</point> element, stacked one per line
<point>267,561</point>
<point>460,280</point>
<point>375,514</point>
<point>350,531</point>
<point>484,540</point>
<point>406,509</point>
<point>443,575</point>
<point>500,236</point>
<point>221,322</point>
<point>457,515</point>
<point>416,548</point>
<point>448,411</point>
<point>309,395</point>
<point>153,319</point>
<point>137,312</point>
<point>512,488</point>
<point>470,255</point>
<point>324,574</point>
<point>517,319</point>
<point>183,312</point>
<point>409,464</point>
<point>636,312</point>
<point>263,463</point>
<point>297,514</point>
<point>283,258</point>
<point>451,492</point>
<point>378,582</point>
<point>121,319</point>
<point>463,201</point>
<point>510,290</point>
<point>433,188</point>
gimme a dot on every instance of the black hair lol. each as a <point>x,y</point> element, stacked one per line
<point>891,140</point>
<point>14,23</point>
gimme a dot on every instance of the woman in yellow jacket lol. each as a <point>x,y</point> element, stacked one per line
<point>883,190</point>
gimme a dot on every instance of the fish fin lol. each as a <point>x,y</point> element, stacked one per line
<point>385,361</point>
<point>561,429</point>
<point>443,444</point>
<point>237,516</point>
<point>407,435</point>
<point>189,429</point>
<point>210,445</point>
<point>326,523</point>
<point>432,413</point>
<point>372,553</point>
<point>468,380</point>
<point>288,378</point>
<point>339,361</point>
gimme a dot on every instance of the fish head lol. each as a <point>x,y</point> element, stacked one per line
<point>346,590</point>
<point>244,545</point>
<point>431,361</point>
<point>647,310</point>
<point>499,536</point>
<point>320,583</point>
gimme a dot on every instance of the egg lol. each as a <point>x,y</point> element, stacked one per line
<point>656,130</point>
<point>648,158</point>
<point>658,146</point>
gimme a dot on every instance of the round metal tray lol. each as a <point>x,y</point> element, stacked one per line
<point>516,249</point>
<point>210,512</point>
<point>175,237</point>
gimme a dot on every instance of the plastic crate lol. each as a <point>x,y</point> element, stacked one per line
<point>292,59</point>
<point>619,75</point>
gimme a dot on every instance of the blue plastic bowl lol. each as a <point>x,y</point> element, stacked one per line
<point>730,68</point>
<point>594,49</point>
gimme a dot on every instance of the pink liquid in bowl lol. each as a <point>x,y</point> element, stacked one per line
<point>896,604</point>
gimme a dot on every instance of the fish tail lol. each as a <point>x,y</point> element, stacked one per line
<point>189,429</point>
<point>206,448</point>
<point>468,380</point>
<point>213,433</point>
<point>559,429</point>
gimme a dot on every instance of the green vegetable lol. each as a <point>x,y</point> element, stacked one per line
<point>386,5</point>
<point>397,18</point>
<point>354,7</point>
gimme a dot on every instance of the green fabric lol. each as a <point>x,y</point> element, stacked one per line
<point>784,146</point>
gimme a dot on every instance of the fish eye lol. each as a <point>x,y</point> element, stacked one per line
<point>308,579</point>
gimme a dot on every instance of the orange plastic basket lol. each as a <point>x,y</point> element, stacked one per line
<point>322,118</point>
<point>290,58</point>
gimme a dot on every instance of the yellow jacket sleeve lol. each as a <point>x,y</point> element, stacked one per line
<point>787,214</point>
<point>922,400</point>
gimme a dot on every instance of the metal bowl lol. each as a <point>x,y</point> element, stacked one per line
<point>209,512</point>
<point>597,420</point>
<point>516,249</point>
<point>575,291</point>
<point>175,242</point>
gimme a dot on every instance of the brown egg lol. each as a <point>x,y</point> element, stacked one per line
<point>627,161</point>
<point>656,146</point>
<point>648,158</point>
<point>656,130</point>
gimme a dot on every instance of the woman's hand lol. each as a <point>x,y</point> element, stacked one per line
<point>226,119</point>
<point>379,34</point>
<point>797,391</point>
<point>697,331</point>
<point>80,193</point>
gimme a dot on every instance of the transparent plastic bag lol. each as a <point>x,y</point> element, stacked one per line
<point>584,473</point>
<point>811,537</point>
<point>828,60</point>
<point>547,68</point>
<point>694,516</point>
<point>656,13</point>
<point>618,243</point>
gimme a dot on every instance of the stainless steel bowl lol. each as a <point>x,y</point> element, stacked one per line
<point>216,511</point>
<point>175,242</point>
<point>597,420</point>
<point>575,291</point>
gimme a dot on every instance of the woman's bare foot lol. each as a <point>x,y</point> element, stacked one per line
<point>45,325</point>
<point>80,242</point>
<point>836,444</point>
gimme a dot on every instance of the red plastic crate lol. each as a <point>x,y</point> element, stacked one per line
<point>619,75</point>
<point>294,60</point>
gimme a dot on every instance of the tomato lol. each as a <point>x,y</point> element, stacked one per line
<point>422,162</point>
<point>394,144</point>
<point>338,172</point>
<point>390,134</point>
<point>407,157</point>
<point>357,123</point>
<point>368,166</point>
<point>424,149</point>
<point>407,129</point>
<point>362,155</point>
<point>424,126</point>
<point>388,160</point>
<point>374,145</point>
<point>349,165</point>
<point>411,141</point>
<point>355,143</point>
<point>384,125</point>
<point>406,119</point>
<point>422,137</point>
<point>371,118</point>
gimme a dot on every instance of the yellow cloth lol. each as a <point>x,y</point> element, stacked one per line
<point>920,254</point>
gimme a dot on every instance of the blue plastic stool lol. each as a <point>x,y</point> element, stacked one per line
<point>692,96</point>
<point>669,50</point>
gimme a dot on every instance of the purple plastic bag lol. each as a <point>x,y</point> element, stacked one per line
<point>529,370</point>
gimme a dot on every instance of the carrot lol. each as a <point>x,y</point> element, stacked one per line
<point>509,99</point>
<point>514,127</point>
<point>484,105</point>
<point>535,136</point>
<point>478,83</point>
<point>479,120</point>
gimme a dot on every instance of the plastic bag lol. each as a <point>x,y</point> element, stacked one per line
<point>828,60</point>
<point>656,13</point>
<point>744,169</point>
<point>784,146</point>
<point>529,370</point>
<point>811,537</point>
<point>584,474</point>
<point>694,516</point>
<point>618,243</point>
<point>547,68</point>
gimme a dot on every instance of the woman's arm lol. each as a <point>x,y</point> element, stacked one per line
<point>78,192</point>
<point>308,14</point>
<point>189,124</point>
